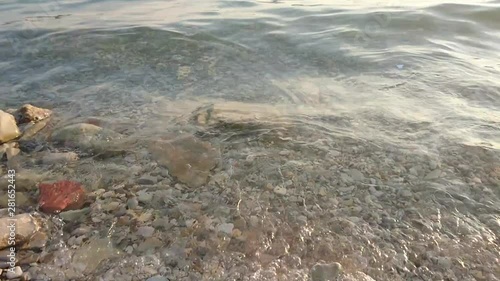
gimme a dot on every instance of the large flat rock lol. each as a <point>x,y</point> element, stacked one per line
<point>187,158</point>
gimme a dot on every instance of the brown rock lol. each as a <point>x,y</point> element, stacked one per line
<point>29,113</point>
<point>61,196</point>
<point>188,159</point>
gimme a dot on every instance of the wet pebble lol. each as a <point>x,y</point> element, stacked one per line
<point>144,196</point>
<point>157,278</point>
<point>226,228</point>
<point>15,273</point>
<point>356,175</point>
<point>326,272</point>
<point>279,190</point>
<point>132,203</point>
<point>433,175</point>
<point>145,231</point>
<point>147,180</point>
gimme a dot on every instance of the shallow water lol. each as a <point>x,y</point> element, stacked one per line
<point>394,89</point>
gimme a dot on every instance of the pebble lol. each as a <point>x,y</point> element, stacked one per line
<point>74,215</point>
<point>15,273</point>
<point>356,175</point>
<point>132,203</point>
<point>333,153</point>
<point>147,180</point>
<point>59,157</point>
<point>157,278</point>
<point>145,231</point>
<point>433,164</point>
<point>144,197</point>
<point>254,221</point>
<point>326,272</point>
<point>226,228</point>
<point>433,175</point>
<point>280,190</point>
<point>346,178</point>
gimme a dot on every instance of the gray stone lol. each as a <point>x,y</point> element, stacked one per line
<point>346,178</point>
<point>147,180</point>
<point>433,175</point>
<point>144,196</point>
<point>85,136</point>
<point>8,127</point>
<point>157,278</point>
<point>145,231</point>
<point>16,272</point>
<point>356,175</point>
<point>132,203</point>
<point>280,190</point>
<point>226,228</point>
<point>75,215</point>
<point>326,272</point>
<point>59,158</point>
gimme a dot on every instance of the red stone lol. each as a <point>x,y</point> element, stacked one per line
<point>60,196</point>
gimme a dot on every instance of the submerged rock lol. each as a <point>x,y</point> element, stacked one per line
<point>60,196</point>
<point>326,272</point>
<point>59,157</point>
<point>85,136</point>
<point>8,127</point>
<point>24,226</point>
<point>188,159</point>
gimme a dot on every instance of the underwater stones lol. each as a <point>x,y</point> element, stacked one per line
<point>433,175</point>
<point>188,159</point>
<point>8,127</point>
<point>51,158</point>
<point>60,196</point>
<point>84,136</point>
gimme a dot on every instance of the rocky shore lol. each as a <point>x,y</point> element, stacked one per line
<point>235,191</point>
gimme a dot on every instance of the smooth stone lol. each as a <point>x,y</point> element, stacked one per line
<point>280,190</point>
<point>75,215</point>
<point>147,180</point>
<point>85,136</point>
<point>37,241</point>
<point>132,203</point>
<point>326,272</point>
<point>25,227</point>
<point>433,175</point>
<point>346,178</point>
<point>22,200</point>
<point>30,130</point>
<point>334,153</point>
<point>144,196</point>
<point>8,127</point>
<point>145,231</point>
<point>226,228</point>
<point>188,159</point>
<point>51,158</point>
<point>15,273</point>
<point>356,175</point>
<point>150,243</point>
<point>157,278</point>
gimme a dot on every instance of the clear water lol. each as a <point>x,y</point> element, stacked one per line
<point>404,84</point>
